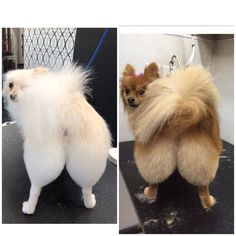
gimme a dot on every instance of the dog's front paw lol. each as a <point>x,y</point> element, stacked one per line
<point>90,202</point>
<point>28,208</point>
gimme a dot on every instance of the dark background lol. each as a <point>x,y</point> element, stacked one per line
<point>104,67</point>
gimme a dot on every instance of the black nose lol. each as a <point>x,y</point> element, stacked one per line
<point>13,97</point>
<point>131,100</point>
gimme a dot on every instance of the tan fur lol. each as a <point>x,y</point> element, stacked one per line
<point>134,84</point>
<point>176,126</point>
<point>156,160</point>
<point>151,191</point>
<point>129,70</point>
<point>206,199</point>
<point>175,103</point>
<point>40,70</point>
<point>151,71</point>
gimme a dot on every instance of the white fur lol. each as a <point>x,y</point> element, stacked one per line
<point>60,128</point>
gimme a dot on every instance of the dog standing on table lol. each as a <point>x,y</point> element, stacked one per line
<point>59,128</point>
<point>176,127</point>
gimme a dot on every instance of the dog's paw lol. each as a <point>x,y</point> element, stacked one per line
<point>152,195</point>
<point>28,208</point>
<point>90,202</point>
<point>209,202</point>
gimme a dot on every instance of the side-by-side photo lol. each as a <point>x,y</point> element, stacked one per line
<point>59,125</point>
<point>176,139</point>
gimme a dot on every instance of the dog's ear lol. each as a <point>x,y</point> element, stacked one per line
<point>40,70</point>
<point>151,71</point>
<point>129,70</point>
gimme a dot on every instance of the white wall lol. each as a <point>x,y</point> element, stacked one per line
<point>139,49</point>
<point>223,71</point>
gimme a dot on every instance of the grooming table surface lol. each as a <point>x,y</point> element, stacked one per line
<point>60,201</point>
<point>178,208</point>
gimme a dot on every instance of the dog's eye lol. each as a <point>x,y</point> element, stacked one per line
<point>11,85</point>
<point>141,92</point>
<point>126,91</point>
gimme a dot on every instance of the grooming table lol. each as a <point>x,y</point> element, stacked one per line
<point>60,201</point>
<point>178,208</point>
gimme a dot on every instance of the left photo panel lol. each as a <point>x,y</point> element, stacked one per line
<point>59,125</point>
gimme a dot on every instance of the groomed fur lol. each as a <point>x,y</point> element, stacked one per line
<point>176,127</point>
<point>175,104</point>
<point>60,128</point>
<point>53,100</point>
<point>56,105</point>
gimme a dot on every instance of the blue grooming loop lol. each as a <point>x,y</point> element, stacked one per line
<point>97,48</point>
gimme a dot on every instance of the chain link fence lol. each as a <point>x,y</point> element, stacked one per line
<point>49,47</point>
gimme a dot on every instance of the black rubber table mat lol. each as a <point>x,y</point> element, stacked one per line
<point>178,208</point>
<point>60,201</point>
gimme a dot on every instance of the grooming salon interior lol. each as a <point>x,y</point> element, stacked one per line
<point>177,208</point>
<point>95,49</point>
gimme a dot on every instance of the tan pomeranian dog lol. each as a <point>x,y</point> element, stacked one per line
<point>176,127</point>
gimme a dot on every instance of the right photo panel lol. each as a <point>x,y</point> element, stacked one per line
<point>176,133</point>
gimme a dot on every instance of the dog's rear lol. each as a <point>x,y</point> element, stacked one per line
<point>174,105</point>
<point>60,128</point>
<point>176,126</point>
<point>51,101</point>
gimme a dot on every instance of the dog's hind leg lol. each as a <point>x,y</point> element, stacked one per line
<point>89,197</point>
<point>155,162</point>
<point>30,205</point>
<point>86,165</point>
<point>44,162</point>
<point>206,199</point>
<point>197,163</point>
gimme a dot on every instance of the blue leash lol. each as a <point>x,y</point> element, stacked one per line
<point>97,48</point>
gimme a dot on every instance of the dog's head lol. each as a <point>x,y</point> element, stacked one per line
<point>133,86</point>
<point>17,80</point>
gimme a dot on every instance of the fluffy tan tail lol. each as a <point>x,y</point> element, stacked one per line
<point>174,104</point>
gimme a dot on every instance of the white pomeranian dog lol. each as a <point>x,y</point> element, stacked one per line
<point>60,128</point>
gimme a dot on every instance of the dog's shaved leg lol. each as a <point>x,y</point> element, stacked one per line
<point>89,198</point>
<point>206,199</point>
<point>30,205</point>
<point>151,191</point>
